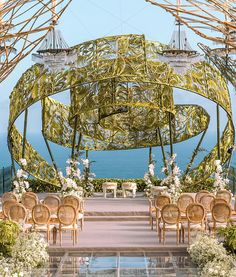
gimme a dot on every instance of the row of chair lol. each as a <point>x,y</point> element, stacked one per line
<point>171,220</point>
<point>41,219</point>
<point>206,211</point>
<point>43,216</point>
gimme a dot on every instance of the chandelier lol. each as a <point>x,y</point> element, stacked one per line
<point>179,54</point>
<point>54,53</point>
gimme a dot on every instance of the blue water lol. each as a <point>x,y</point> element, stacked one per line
<point>116,164</point>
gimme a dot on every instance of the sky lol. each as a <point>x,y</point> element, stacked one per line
<point>90,19</point>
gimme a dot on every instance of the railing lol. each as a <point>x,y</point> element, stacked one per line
<point>6,176</point>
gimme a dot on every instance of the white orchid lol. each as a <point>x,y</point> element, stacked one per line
<point>85,163</point>
<point>172,180</point>
<point>20,184</point>
<point>151,168</point>
<point>23,162</point>
<point>220,182</point>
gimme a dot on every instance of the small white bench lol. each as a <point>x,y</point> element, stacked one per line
<point>130,186</point>
<point>109,186</point>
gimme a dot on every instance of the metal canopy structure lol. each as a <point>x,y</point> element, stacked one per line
<point>23,25</point>
<point>121,98</point>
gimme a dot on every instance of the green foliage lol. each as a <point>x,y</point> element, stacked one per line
<point>206,185</point>
<point>229,234</point>
<point>9,232</point>
<point>40,186</point>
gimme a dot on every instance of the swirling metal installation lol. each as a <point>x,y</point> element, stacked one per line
<point>121,98</point>
<point>24,24</point>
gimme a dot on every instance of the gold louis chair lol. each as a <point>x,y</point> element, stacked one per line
<point>159,202</point>
<point>29,201</point>
<point>67,218</point>
<point>8,196</point>
<point>200,194</point>
<point>183,201</point>
<point>196,216</point>
<point>52,202</point>
<point>221,213</point>
<point>170,221</point>
<point>18,214</point>
<point>224,194</point>
<point>7,205</point>
<point>78,204</point>
<point>41,219</point>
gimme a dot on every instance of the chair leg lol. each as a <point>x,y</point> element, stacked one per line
<point>159,234</point>
<point>164,235</point>
<point>81,224</point>
<point>73,237</point>
<point>76,236</point>
<point>152,224</point>
<point>177,236</point>
<point>60,232</point>
<point>183,235</point>
<point>188,234</point>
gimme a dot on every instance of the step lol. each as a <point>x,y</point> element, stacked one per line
<point>116,218</point>
<point>116,213</point>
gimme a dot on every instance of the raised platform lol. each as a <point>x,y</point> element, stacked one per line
<point>120,224</point>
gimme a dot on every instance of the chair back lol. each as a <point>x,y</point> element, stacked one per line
<point>41,214</point>
<point>170,214</point>
<point>66,214</point>
<point>161,200</point>
<point>7,205</point>
<point>52,202</point>
<point>200,194</point>
<point>221,212</point>
<point>73,201</point>
<point>195,213</point>
<point>32,194</point>
<point>183,201</point>
<point>206,201</point>
<point>217,200</point>
<point>29,201</point>
<point>224,194</point>
<point>18,213</point>
<point>8,196</point>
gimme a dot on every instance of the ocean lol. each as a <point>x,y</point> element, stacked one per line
<point>118,164</point>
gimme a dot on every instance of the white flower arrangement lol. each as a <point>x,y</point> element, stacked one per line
<point>29,252</point>
<point>211,257</point>
<point>172,180</point>
<point>150,178</point>
<point>76,183</point>
<point>20,184</point>
<point>217,268</point>
<point>206,249</point>
<point>220,182</point>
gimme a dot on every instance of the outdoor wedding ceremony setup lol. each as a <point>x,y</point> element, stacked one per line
<point>121,146</point>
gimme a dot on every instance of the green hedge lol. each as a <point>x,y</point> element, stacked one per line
<point>39,186</point>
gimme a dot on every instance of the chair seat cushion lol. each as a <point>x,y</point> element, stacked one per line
<point>218,224</point>
<point>68,227</point>
<point>43,227</point>
<point>193,226</point>
<point>170,226</point>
